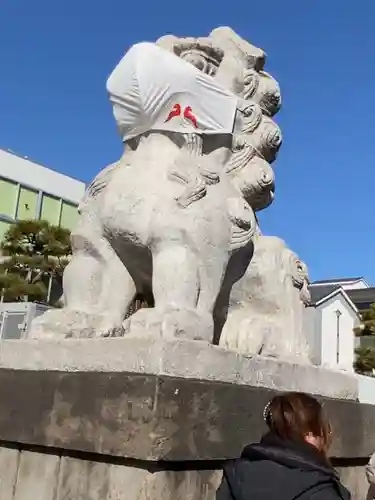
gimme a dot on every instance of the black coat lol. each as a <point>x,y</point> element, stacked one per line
<point>282,470</point>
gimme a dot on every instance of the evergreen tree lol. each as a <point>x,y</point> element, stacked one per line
<point>368,321</point>
<point>365,355</point>
<point>34,255</point>
<point>365,360</point>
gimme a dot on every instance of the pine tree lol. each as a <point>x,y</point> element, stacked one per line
<point>368,321</point>
<point>365,360</point>
<point>365,355</point>
<point>35,254</point>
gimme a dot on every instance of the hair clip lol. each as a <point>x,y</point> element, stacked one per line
<point>267,411</point>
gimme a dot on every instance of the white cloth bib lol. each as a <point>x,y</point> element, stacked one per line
<point>152,89</point>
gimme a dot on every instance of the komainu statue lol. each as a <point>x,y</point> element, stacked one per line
<point>175,217</point>
<point>266,306</point>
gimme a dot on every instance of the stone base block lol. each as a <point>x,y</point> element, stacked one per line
<point>136,418</point>
<point>189,360</point>
<point>27,474</point>
<point>159,400</point>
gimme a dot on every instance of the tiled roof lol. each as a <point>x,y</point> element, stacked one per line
<point>364,296</point>
<point>319,292</point>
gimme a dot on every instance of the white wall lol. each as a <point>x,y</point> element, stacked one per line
<point>41,178</point>
<point>348,320</point>
<point>366,389</point>
<point>312,330</point>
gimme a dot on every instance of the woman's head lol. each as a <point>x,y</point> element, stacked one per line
<point>299,417</point>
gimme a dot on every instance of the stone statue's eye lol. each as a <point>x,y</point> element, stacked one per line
<point>200,64</point>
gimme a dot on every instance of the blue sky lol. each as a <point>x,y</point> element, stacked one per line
<point>55,58</point>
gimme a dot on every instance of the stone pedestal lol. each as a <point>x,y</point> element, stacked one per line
<point>134,418</point>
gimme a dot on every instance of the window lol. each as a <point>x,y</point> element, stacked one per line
<point>27,204</point>
<point>51,208</point>
<point>69,215</point>
<point>8,198</point>
<point>4,226</point>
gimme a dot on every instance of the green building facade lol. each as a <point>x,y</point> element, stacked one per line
<point>31,191</point>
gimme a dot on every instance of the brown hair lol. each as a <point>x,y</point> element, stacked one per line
<point>294,415</point>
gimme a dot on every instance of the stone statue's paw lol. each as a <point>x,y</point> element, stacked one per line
<point>61,324</point>
<point>189,324</point>
<point>242,334</point>
<point>49,326</point>
<point>143,323</point>
<point>172,323</point>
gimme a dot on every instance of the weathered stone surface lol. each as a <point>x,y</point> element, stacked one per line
<point>266,305</point>
<point>137,355</point>
<point>37,476</point>
<point>174,413</point>
<point>370,491</point>
<point>95,480</point>
<point>179,485</point>
<point>83,476</point>
<point>354,478</point>
<point>174,358</point>
<point>9,459</point>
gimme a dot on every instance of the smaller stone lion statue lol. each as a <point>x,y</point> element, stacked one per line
<point>266,306</point>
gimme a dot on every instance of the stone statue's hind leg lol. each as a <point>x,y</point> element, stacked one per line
<point>105,289</point>
<point>176,292</point>
<point>117,294</point>
<point>97,290</point>
<point>175,278</point>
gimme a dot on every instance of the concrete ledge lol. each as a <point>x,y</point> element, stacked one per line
<point>153,417</point>
<point>200,402</point>
<point>190,360</point>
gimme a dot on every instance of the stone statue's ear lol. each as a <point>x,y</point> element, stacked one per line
<point>167,42</point>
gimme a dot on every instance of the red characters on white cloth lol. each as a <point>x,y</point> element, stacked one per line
<point>188,114</point>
